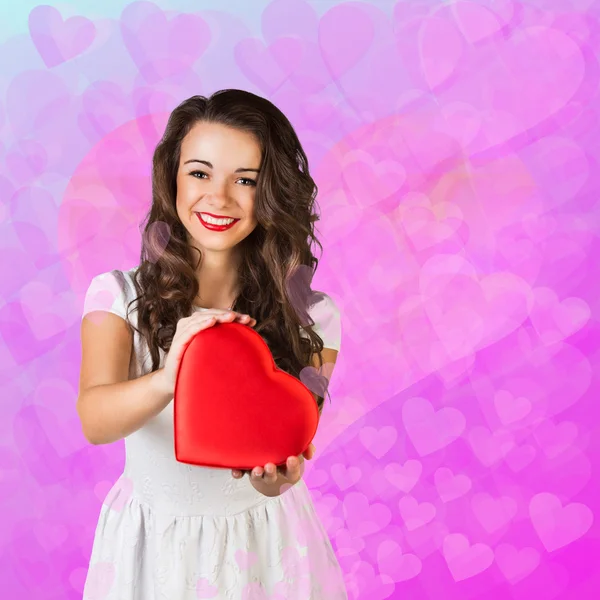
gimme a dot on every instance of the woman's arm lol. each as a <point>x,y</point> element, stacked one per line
<point>110,406</point>
<point>110,412</point>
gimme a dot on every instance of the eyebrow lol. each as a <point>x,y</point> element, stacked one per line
<point>205,162</point>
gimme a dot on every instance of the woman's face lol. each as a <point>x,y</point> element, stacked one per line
<point>227,188</point>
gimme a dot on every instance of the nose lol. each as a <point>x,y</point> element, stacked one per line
<point>218,198</point>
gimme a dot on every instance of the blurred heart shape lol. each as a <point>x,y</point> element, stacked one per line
<point>57,40</point>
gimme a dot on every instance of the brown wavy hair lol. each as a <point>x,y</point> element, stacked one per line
<point>277,263</point>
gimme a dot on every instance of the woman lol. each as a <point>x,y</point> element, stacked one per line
<point>227,239</point>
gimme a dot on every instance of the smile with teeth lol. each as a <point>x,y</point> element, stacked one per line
<point>215,223</point>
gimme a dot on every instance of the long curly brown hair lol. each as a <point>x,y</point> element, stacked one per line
<point>277,264</point>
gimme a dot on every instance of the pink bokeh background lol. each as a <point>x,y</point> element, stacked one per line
<point>456,149</point>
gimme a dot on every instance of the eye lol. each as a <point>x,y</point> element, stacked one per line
<point>252,182</point>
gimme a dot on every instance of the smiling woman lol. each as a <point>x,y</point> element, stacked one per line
<point>219,193</point>
<point>169,529</point>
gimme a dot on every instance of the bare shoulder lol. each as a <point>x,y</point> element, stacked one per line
<point>106,335</point>
<point>325,313</point>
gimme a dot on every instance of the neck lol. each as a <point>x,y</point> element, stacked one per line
<point>217,278</point>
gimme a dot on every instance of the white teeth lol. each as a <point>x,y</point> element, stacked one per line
<point>217,221</point>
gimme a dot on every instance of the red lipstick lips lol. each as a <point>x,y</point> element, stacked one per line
<point>214,227</point>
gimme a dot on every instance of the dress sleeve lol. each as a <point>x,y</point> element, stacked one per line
<point>107,292</point>
<point>328,324</point>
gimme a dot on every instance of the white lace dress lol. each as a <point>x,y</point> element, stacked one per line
<point>172,531</point>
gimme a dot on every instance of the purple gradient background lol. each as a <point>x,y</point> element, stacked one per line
<point>456,149</point>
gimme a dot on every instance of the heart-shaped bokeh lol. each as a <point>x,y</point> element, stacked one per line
<point>233,407</point>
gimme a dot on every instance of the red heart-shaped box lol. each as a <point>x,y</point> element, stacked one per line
<point>233,407</point>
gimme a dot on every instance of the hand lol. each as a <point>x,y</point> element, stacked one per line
<point>187,328</point>
<point>271,480</point>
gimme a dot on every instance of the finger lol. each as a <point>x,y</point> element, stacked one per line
<point>233,317</point>
<point>288,469</point>
<point>257,473</point>
<point>204,324</point>
<point>246,320</point>
<point>237,473</point>
<point>270,474</point>
<point>230,316</point>
<point>197,323</point>
<point>226,316</point>
<point>293,468</point>
<point>309,452</point>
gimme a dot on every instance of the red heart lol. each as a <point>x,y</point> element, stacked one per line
<point>233,407</point>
